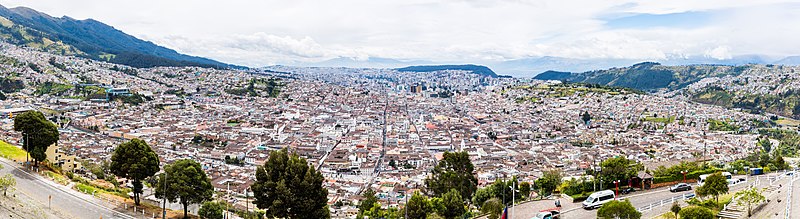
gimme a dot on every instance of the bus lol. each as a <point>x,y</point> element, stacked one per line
<point>703,177</point>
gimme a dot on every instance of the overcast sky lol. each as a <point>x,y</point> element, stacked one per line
<point>265,32</point>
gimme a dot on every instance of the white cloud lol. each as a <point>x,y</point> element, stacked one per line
<point>257,33</point>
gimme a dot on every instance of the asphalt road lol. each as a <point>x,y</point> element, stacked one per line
<point>64,200</point>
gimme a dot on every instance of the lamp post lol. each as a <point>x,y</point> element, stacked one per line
<point>513,194</point>
<point>164,209</point>
<point>684,175</point>
<point>616,192</point>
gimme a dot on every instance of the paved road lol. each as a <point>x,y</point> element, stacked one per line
<point>64,200</point>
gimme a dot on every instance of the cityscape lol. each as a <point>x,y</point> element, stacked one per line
<point>96,123</point>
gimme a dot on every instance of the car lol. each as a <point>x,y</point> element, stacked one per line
<point>680,187</point>
<point>627,190</point>
<point>547,214</point>
<point>742,179</point>
<point>790,173</point>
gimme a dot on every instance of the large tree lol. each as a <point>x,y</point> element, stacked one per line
<point>618,210</point>
<point>38,133</point>
<point>715,185</point>
<point>369,200</point>
<point>417,206</point>
<point>749,197</point>
<point>454,171</point>
<point>134,160</point>
<point>548,183</point>
<point>287,186</point>
<point>493,207</point>
<point>454,204</point>
<point>185,182</point>
<point>618,168</point>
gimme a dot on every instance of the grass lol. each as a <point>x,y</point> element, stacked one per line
<point>788,122</point>
<point>11,152</point>
<point>666,120</point>
<point>58,178</point>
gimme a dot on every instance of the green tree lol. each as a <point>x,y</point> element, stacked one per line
<point>454,204</point>
<point>525,189</point>
<point>287,186</point>
<point>586,117</point>
<point>454,171</point>
<point>779,163</point>
<point>133,160</point>
<point>493,207</point>
<point>549,181</point>
<point>715,185</point>
<point>483,194</point>
<point>186,182</point>
<point>7,182</point>
<point>2,96</point>
<point>369,200</point>
<point>38,133</point>
<point>696,212</point>
<point>676,208</point>
<point>618,210</point>
<point>618,168</point>
<point>749,197</point>
<point>417,206</point>
<point>210,210</point>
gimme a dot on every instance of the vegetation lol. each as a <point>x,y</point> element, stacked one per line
<point>618,168</point>
<point>136,161</point>
<point>8,85</point>
<point>618,210</point>
<point>548,183</point>
<point>39,133</point>
<point>477,69</point>
<point>288,187</point>
<point>454,171</point>
<point>696,212</point>
<point>673,173</point>
<point>52,88</point>
<point>493,207</point>
<point>715,185</point>
<point>748,198</point>
<point>185,182</point>
<point>785,104</point>
<point>722,125</point>
<point>500,189</point>
<point>369,200</point>
<point>210,210</point>
<point>676,208</point>
<point>11,152</point>
<point>7,182</point>
<point>255,87</point>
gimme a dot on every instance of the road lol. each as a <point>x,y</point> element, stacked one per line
<point>638,199</point>
<point>64,200</point>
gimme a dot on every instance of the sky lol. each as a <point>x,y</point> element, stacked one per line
<point>265,32</point>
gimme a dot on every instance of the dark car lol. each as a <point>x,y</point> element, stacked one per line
<point>627,190</point>
<point>680,187</point>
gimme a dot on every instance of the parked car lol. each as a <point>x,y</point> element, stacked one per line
<point>597,199</point>
<point>547,214</point>
<point>680,187</point>
<point>627,190</point>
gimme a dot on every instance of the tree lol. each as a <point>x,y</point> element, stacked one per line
<point>287,186</point>
<point>483,194</point>
<point>454,171</point>
<point>586,117</point>
<point>749,197</point>
<point>417,206</point>
<point>779,163</point>
<point>696,212</point>
<point>369,200</point>
<point>38,133</point>
<point>675,208</point>
<point>454,204</point>
<point>186,182</point>
<point>715,185</point>
<point>493,207</point>
<point>549,181</point>
<point>7,182</point>
<point>2,96</point>
<point>618,210</point>
<point>210,210</point>
<point>134,160</point>
<point>525,189</point>
<point>618,168</point>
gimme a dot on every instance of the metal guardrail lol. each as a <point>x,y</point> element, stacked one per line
<point>666,201</point>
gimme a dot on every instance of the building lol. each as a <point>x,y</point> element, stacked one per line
<point>57,157</point>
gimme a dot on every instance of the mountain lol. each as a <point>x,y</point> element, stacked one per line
<point>647,76</point>
<point>89,38</point>
<point>477,69</point>
<point>791,60</point>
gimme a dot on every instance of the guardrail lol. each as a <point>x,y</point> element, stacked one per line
<point>650,206</point>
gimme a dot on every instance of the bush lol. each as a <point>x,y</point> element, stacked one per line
<point>696,212</point>
<point>210,210</point>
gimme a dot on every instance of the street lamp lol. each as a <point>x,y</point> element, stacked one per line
<point>513,194</point>
<point>684,175</point>
<point>616,192</point>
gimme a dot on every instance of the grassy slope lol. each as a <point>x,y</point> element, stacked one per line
<point>11,152</point>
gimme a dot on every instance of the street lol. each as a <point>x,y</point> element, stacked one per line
<point>64,200</point>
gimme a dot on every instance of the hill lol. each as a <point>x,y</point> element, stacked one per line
<point>647,76</point>
<point>477,69</point>
<point>89,38</point>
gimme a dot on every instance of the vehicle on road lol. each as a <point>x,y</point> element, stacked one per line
<point>627,190</point>
<point>703,177</point>
<point>680,187</point>
<point>756,171</point>
<point>597,199</point>
<point>548,214</point>
<point>790,173</point>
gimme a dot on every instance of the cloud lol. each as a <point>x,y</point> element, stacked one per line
<point>257,33</point>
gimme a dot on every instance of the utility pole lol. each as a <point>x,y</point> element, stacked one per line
<point>227,212</point>
<point>513,196</point>
<point>164,210</point>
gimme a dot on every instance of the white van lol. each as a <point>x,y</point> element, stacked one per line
<point>703,177</point>
<point>597,199</point>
